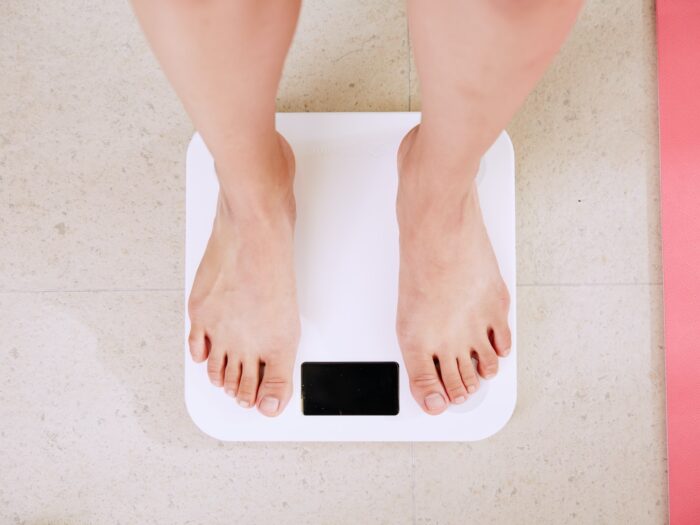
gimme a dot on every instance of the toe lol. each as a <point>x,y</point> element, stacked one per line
<point>275,386</point>
<point>215,366</point>
<point>198,344</point>
<point>500,339</point>
<point>232,376</point>
<point>425,383</point>
<point>488,360</point>
<point>468,373</point>
<point>452,380</point>
<point>248,386</point>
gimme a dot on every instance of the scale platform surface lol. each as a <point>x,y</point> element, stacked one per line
<point>347,276</point>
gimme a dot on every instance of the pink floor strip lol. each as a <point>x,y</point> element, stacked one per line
<point>678,29</point>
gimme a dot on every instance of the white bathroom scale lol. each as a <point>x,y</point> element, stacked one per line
<point>347,274</point>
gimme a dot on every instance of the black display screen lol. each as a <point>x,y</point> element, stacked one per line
<point>351,388</point>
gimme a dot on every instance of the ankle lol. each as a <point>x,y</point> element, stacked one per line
<point>246,155</point>
<point>257,181</point>
<point>247,145</point>
<point>433,177</point>
<point>438,160</point>
<point>263,216</point>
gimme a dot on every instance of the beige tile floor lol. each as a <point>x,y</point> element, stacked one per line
<point>93,425</point>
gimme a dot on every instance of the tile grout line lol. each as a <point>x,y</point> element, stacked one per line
<point>147,290</point>
<point>413,484</point>
<point>408,62</point>
<point>92,290</point>
<point>593,285</point>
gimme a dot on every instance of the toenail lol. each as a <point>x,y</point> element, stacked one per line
<point>460,400</point>
<point>489,375</point>
<point>506,351</point>
<point>471,389</point>
<point>231,392</point>
<point>434,401</point>
<point>243,403</point>
<point>269,405</point>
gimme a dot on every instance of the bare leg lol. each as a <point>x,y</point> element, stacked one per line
<point>477,61</point>
<point>224,59</point>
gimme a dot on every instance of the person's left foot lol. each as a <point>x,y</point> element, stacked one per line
<point>453,303</point>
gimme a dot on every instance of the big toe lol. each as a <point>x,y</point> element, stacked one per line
<point>198,344</point>
<point>276,386</point>
<point>501,339</point>
<point>425,383</point>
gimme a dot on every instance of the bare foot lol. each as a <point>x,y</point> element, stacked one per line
<point>453,303</point>
<point>243,308</point>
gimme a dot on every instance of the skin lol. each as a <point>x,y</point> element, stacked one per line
<point>224,59</point>
<point>476,62</point>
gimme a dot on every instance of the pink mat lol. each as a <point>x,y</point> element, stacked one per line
<point>678,29</point>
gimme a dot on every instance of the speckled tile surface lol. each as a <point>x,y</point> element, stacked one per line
<point>587,441</point>
<point>94,428</point>
<point>348,56</point>
<point>92,151</point>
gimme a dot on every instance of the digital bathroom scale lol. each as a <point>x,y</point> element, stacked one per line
<point>349,380</point>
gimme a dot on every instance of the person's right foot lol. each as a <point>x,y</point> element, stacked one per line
<point>243,309</point>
